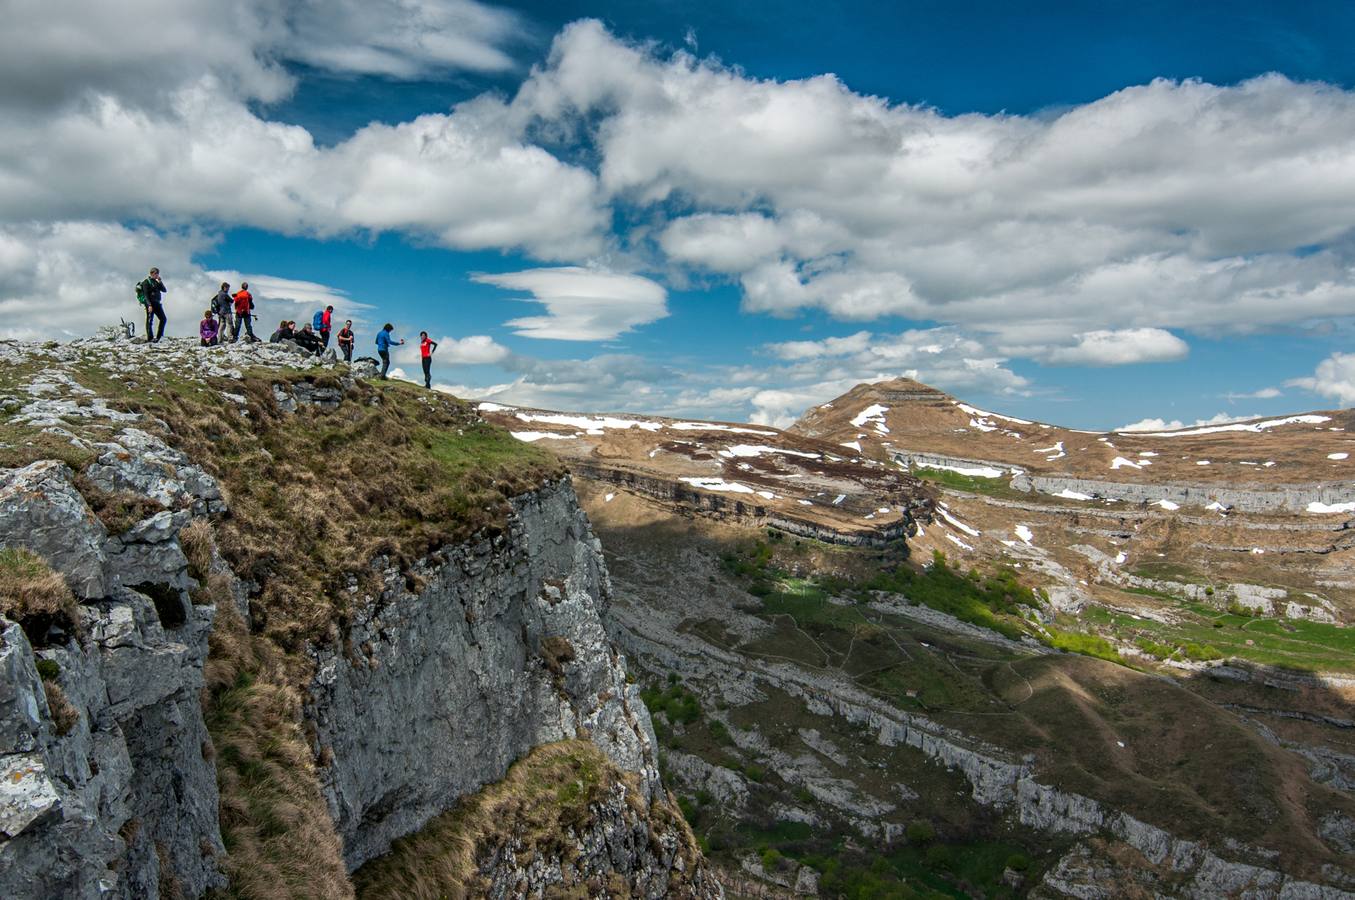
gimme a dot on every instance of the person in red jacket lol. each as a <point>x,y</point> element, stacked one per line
<point>426,348</point>
<point>325,323</point>
<point>244,313</point>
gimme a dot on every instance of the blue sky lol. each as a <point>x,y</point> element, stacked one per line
<point>1089,213</point>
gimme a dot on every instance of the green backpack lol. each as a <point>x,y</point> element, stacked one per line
<point>141,292</point>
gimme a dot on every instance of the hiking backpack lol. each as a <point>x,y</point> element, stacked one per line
<point>318,322</point>
<point>141,292</point>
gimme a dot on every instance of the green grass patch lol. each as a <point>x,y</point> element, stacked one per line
<point>972,484</point>
<point>1081,642</point>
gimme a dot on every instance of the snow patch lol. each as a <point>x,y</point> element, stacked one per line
<point>957,542</point>
<point>1068,494</point>
<point>1255,427</point>
<point>532,436</point>
<point>1338,455</point>
<point>1120,462</point>
<point>1318,507</point>
<point>945,514</point>
<point>719,484</point>
<point>747,450</point>
<point>1024,533</point>
<point>1168,505</point>
<point>854,445</point>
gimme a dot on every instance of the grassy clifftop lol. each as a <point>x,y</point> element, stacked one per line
<point>321,474</point>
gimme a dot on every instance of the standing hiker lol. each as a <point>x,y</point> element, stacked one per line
<point>384,339</point>
<point>346,340</point>
<point>426,348</point>
<point>149,291</point>
<point>325,319</point>
<point>244,312</point>
<point>221,308</point>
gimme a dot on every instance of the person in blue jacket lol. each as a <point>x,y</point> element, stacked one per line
<point>384,339</point>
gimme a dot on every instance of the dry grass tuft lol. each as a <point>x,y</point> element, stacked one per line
<point>280,840</point>
<point>556,651</point>
<point>544,795</point>
<point>196,540</point>
<point>64,713</point>
<point>34,595</point>
<point>544,800</point>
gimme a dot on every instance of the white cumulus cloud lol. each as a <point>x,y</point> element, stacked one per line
<point>1333,378</point>
<point>583,304</point>
<point>1116,348</point>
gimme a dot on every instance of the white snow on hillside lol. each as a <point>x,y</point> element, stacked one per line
<point>718,484</point>
<point>1024,533</point>
<point>593,425</point>
<point>945,514</point>
<point>971,471</point>
<point>875,415</point>
<point>1067,494</point>
<point>1317,507</point>
<point>984,414</point>
<point>715,426</point>
<point>1254,427</point>
<point>1057,450</point>
<point>1120,462</point>
<point>532,436</point>
<point>855,445</point>
<point>758,450</point>
<point>1168,505</point>
<point>1337,455</point>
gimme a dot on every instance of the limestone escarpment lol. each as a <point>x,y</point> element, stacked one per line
<point>120,798</point>
<point>417,683</point>
<point>433,693</point>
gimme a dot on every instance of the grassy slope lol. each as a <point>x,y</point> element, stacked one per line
<point>314,497</point>
<point>1185,765</point>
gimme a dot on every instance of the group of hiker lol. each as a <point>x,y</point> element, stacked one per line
<point>229,314</point>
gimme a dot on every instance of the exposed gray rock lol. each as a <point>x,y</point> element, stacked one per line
<point>41,510</point>
<point>506,633</point>
<point>616,843</point>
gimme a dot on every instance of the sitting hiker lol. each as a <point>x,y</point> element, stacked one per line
<point>207,329</point>
<point>307,339</point>
<point>284,332</point>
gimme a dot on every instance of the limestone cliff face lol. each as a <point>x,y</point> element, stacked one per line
<point>427,691</point>
<point>435,692</point>
<point>122,801</point>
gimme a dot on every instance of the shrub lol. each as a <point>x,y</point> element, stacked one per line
<point>919,831</point>
<point>49,669</point>
<point>1086,644</point>
<point>1018,862</point>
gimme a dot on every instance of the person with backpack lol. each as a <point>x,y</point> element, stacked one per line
<point>244,313</point>
<point>148,291</point>
<point>346,340</point>
<point>426,348</point>
<point>221,308</point>
<point>322,324</point>
<point>384,339</point>
<point>207,329</point>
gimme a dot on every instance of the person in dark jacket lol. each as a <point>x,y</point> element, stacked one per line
<point>346,340</point>
<point>426,347</point>
<point>152,289</point>
<point>222,306</point>
<point>308,340</point>
<point>384,339</point>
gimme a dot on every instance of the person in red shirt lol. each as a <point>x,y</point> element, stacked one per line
<point>426,348</point>
<point>325,321</point>
<point>244,313</point>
